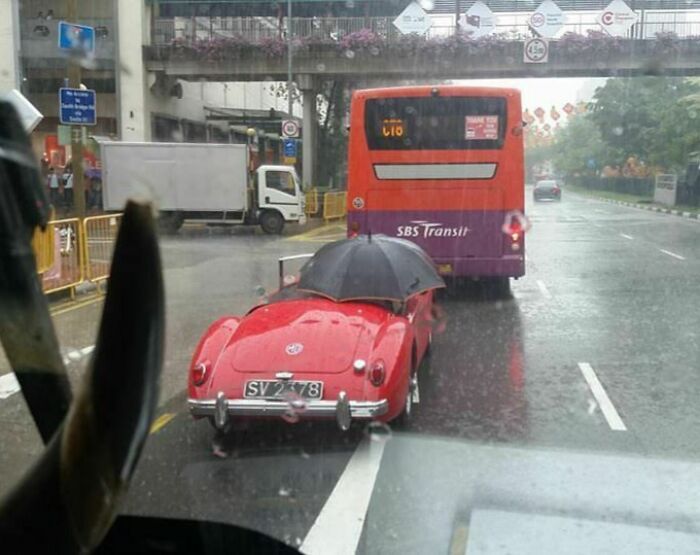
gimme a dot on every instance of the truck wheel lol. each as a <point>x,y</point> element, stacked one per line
<point>170,222</point>
<point>272,222</point>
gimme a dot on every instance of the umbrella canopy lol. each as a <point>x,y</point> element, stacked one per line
<point>369,267</point>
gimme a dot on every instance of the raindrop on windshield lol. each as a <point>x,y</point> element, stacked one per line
<point>349,54</point>
<point>321,67</point>
<point>284,491</point>
<point>618,130</point>
<point>374,51</point>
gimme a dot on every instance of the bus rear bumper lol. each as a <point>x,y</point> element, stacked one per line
<point>507,266</point>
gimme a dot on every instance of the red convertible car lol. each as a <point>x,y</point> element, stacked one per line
<point>314,352</point>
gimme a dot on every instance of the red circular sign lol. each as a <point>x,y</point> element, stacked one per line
<point>607,18</point>
<point>537,19</point>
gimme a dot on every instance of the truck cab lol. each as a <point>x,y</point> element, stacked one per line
<point>279,199</point>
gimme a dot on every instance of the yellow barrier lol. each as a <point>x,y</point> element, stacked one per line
<point>66,271</point>
<point>43,246</point>
<point>311,202</point>
<point>334,205</point>
<point>100,234</point>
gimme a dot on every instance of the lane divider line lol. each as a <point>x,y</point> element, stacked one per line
<point>626,236</point>
<point>338,526</point>
<point>606,407</point>
<point>9,384</point>
<point>673,254</point>
<point>160,422</point>
<point>543,289</point>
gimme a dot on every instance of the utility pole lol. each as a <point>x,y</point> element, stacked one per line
<point>290,100</point>
<point>456,17</point>
<point>77,131</point>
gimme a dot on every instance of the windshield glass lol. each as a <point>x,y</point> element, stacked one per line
<point>503,371</point>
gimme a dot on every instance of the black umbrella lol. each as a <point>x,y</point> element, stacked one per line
<point>369,267</point>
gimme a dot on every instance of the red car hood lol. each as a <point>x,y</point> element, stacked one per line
<point>307,335</point>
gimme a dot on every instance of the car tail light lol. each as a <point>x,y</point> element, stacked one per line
<point>200,372</point>
<point>377,373</point>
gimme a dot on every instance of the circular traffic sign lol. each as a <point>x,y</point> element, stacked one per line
<point>607,18</point>
<point>290,128</point>
<point>537,19</point>
<point>536,50</point>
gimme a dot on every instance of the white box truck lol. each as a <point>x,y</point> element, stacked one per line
<point>210,183</point>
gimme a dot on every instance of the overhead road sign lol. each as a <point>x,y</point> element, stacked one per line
<point>413,19</point>
<point>536,51</point>
<point>617,18</point>
<point>547,20</point>
<point>478,20</point>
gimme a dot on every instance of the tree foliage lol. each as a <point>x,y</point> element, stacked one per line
<point>655,120</point>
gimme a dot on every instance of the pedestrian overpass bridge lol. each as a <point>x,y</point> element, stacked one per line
<point>370,49</point>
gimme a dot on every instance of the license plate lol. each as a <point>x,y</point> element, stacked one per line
<point>444,269</point>
<point>276,389</point>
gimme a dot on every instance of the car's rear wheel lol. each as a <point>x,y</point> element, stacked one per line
<point>403,421</point>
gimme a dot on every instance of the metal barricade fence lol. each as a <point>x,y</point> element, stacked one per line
<point>100,235</point>
<point>66,271</point>
<point>311,202</point>
<point>44,248</point>
<point>334,205</point>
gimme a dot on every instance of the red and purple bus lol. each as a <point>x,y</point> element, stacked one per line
<point>442,166</point>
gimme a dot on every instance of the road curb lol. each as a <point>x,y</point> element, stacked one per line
<point>670,211</point>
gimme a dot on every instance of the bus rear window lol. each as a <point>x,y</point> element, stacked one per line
<point>435,123</point>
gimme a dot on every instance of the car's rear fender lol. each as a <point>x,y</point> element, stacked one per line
<point>209,349</point>
<point>393,345</point>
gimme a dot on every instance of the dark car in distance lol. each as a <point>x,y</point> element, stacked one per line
<point>546,190</point>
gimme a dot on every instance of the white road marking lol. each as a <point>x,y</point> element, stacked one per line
<point>339,525</point>
<point>543,289</point>
<point>8,385</point>
<point>607,408</point>
<point>626,236</point>
<point>673,254</point>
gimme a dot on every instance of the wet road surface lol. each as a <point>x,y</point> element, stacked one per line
<point>596,351</point>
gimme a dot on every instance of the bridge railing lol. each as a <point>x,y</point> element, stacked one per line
<point>684,23</point>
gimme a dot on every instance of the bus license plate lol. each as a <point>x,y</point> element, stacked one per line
<point>275,389</point>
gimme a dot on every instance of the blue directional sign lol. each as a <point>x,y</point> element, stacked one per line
<point>76,38</point>
<point>77,106</point>
<point>290,148</point>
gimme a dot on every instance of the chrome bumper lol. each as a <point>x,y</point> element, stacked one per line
<point>342,410</point>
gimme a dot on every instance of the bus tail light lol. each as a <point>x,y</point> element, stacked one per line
<point>377,373</point>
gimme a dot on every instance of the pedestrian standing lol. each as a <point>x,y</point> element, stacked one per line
<point>52,184</point>
<point>69,189</point>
